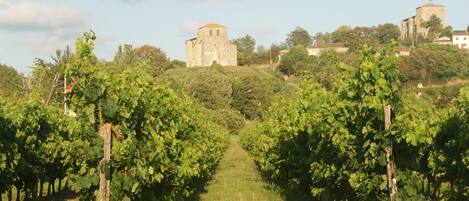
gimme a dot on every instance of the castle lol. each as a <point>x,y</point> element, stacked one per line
<point>412,26</point>
<point>211,46</point>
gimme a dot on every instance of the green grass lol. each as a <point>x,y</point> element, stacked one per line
<point>237,179</point>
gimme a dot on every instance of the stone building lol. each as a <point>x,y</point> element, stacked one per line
<point>412,26</point>
<point>211,46</point>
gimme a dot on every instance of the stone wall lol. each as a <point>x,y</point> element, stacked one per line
<point>211,46</point>
<point>413,25</point>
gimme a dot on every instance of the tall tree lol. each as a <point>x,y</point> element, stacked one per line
<point>434,27</point>
<point>299,36</point>
<point>47,77</point>
<point>245,46</point>
<point>155,56</point>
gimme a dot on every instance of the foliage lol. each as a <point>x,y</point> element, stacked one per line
<point>386,33</point>
<point>331,143</point>
<point>162,145</point>
<point>48,79</point>
<point>434,27</point>
<point>11,82</point>
<point>146,56</point>
<point>434,62</point>
<point>245,47</point>
<point>251,97</point>
<point>295,62</point>
<point>213,90</point>
<point>299,36</point>
<point>231,119</point>
<point>356,37</point>
<point>155,56</point>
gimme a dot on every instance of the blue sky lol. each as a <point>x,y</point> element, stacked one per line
<point>35,28</point>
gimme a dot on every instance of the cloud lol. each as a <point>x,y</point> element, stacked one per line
<point>41,27</point>
<point>28,16</point>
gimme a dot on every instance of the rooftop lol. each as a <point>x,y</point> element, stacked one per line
<point>430,5</point>
<point>460,33</point>
<point>212,25</point>
<point>329,45</point>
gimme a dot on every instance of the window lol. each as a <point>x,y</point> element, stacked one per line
<point>210,32</point>
<point>218,33</point>
<point>464,38</point>
<point>457,38</point>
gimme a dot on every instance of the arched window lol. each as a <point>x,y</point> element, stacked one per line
<point>210,32</point>
<point>218,32</point>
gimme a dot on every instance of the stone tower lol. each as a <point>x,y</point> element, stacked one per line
<point>211,46</point>
<point>412,26</point>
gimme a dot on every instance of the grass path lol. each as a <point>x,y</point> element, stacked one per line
<point>237,179</point>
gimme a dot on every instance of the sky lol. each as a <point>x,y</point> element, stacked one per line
<point>32,29</point>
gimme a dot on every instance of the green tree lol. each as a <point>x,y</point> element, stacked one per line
<point>295,62</point>
<point>48,77</point>
<point>434,27</point>
<point>11,83</point>
<point>155,56</point>
<point>341,35</point>
<point>251,97</point>
<point>434,62</point>
<point>447,31</point>
<point>212,89</point>
<point>386,33</point>
<point>124,57</point>
<point>323,38</point>
<point>299,36</point>
<point>245,47</point>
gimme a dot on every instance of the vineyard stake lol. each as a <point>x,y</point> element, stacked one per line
<point>104,173</point>
<point>391,172</point>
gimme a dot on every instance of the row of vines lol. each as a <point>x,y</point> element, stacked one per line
<point>163,147</point>
<point>331,143</point>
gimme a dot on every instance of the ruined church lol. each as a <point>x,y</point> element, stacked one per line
<point>211,46</point>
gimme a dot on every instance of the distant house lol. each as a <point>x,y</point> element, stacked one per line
<point>318,49</point>
<point>443,41</point>
<point>461,39</point>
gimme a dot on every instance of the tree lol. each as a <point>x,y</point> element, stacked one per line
<point>48,78</point>
<point>251,97</point>
<point>212,89</point>
<point>155,56</point>
<point>124,57</point>
<point>385,33</point>
<point>11,82</point>
<point>299,36</point>
<point>432,61</point>
<point>341,35</point>
<point>323,38</point>
<point>447,31</point>
<point>434,27</point>
<point>296,61</point>
<point>245,47</point>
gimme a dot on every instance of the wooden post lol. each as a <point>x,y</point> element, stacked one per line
<point>105,180</point>
<point>391,171</point>
<point>270,58</point>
